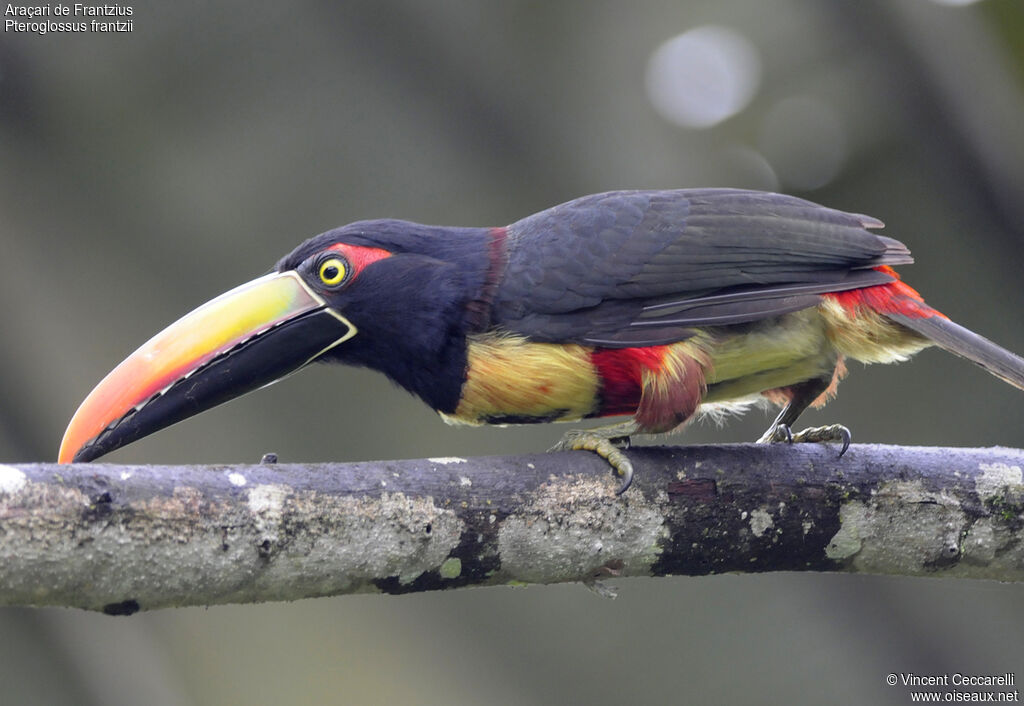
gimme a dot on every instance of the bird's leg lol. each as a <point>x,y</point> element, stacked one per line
<point>605,442</point>
<point>803,395</point>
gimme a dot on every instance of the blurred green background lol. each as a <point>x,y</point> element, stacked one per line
<point>143,173</point>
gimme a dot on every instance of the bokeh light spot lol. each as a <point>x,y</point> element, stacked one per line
<point>749,169</point>
<point>703,76</point>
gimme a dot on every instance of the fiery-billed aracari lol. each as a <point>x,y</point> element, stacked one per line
<point>647,304</point>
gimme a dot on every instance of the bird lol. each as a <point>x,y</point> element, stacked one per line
<point>654,306</point>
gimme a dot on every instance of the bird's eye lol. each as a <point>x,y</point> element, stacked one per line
<point>332,271</point>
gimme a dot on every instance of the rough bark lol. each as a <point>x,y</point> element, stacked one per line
<point>127,538</point>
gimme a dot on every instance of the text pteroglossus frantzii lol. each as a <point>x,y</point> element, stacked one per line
<point>650,304</point>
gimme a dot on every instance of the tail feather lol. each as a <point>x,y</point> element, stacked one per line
<point>963,342</point>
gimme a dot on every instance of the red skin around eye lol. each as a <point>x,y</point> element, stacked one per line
<point>359,257</point>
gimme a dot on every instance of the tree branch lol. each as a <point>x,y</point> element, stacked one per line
<point>126,538</point>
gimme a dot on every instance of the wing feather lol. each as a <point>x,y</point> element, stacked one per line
<point>634,268</point>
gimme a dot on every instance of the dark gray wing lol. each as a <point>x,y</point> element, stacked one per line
<point>631,268</point>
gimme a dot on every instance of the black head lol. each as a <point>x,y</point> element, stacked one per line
<point>406,288</point>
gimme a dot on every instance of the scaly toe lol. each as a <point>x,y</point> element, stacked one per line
<point>580,440</point>
<point>607,450</point>
<point>832,432</point>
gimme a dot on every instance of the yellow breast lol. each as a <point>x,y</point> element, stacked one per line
<point>511,380</point>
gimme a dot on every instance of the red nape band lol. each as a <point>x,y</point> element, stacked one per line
<point>892,298</point>
<point>479,309</point>
<point>621,373</point>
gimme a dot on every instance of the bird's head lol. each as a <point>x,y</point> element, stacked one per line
<point>357,294</point>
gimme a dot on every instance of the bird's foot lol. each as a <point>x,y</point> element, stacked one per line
<point>777,433</point>
<point>831,432</point>
<point>606,442</point>
<point>602,589</point>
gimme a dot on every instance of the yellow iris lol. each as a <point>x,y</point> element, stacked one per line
<point>333,271</point>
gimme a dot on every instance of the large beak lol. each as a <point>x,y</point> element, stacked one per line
<point>242,340</point>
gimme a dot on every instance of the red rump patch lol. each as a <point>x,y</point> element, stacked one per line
<point>621,374</point>
<point>892,298</point>
<point>359,256</point>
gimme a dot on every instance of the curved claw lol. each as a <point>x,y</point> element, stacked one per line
<point>832,432</point>
<point>604,447</point>
<point>626,472</point>
<point>846,438</point>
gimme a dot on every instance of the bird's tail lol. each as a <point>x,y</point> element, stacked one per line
<point>963,342</point>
